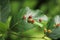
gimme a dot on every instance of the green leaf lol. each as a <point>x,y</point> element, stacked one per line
<point>50,23</point>
<point>2,27</point>
<point>55,33</point>
<point>8,22</point>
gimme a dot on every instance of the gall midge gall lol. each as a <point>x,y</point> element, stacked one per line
<point>49,31</point>
<point>58,24</point>
<point>40,20</point>
<point>30,20</point>
<point>29,17</point>
<point>24,17</point>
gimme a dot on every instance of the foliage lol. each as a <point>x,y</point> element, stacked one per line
<point>19,22</point>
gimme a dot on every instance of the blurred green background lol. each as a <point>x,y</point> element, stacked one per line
<point>49,7</point>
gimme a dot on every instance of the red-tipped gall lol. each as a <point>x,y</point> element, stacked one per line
<point>40,20</point>
<point>30,17</point>
<point>49,31</point>
<point>30,20</point>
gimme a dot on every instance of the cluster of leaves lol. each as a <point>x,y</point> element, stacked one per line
<point>27,24</point>
<point>30,24</point>
<point>17,27</point>
<point>54,27</point>
<point>4,27</point>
